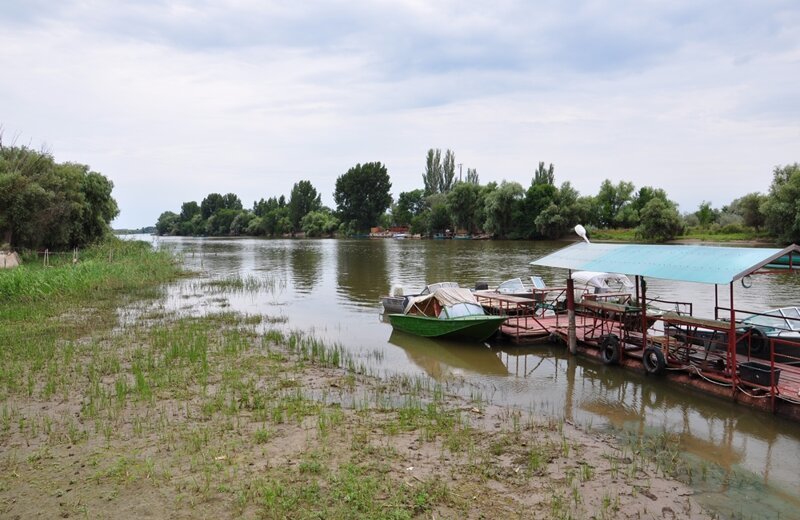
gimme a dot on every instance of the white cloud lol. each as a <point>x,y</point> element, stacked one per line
<point>174,100</point>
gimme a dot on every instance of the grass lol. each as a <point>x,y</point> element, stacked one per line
<point>710,234</point>
<point>222,415</point>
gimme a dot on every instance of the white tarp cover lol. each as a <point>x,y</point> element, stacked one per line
<point>430,304</point>
<point>587,279</point>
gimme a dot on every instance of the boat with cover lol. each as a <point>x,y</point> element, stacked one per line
<point>396,302</point>
<point>446,312</point>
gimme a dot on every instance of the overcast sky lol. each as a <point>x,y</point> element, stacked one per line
<point>175,100</point>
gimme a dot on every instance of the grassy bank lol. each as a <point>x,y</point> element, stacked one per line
<point>112,266</point>
<point>725,234</point>
<point>228,416</point>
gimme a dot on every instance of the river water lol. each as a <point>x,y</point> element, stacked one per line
<point>747,463</point>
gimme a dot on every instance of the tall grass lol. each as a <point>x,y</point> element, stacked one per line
<point>115,264</point>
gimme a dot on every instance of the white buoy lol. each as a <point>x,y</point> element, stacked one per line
<point>581,231</point>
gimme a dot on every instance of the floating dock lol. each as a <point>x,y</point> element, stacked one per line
<point>720,356</point>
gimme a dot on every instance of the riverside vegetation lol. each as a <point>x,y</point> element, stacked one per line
<point>109,415</point>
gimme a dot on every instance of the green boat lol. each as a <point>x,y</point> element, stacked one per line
<point>448,312</point>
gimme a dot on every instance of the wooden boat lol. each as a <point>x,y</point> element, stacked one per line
<point>447,312</point>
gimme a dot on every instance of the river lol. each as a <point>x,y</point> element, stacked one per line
<point>746,463</point>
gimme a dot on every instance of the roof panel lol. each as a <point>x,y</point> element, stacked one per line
<point>704,264</point>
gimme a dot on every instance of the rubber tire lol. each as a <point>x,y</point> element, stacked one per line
<point>610,349</point>
<point>758,342</point>
<point>653,361</point>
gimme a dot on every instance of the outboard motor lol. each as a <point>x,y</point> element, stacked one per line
<point>396,290</point>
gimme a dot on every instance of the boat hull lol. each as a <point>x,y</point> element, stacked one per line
<point>474,328</point>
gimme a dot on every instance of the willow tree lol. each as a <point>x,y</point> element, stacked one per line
<point>49,204</point>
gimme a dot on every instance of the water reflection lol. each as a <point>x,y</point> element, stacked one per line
<point>361,272</point>
<point>442,359</point>
<point>305,258</point>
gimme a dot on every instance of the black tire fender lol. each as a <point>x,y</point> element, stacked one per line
<point>654,361</point>
<point>610,349</point>
<point>759,343</point>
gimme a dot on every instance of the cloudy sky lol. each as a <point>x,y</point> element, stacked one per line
<point>173,100</point>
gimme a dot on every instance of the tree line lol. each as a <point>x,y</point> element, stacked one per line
<point>50,205</point>
<point>506,210</point>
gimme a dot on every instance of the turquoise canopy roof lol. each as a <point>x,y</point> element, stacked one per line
<point>704,264</point>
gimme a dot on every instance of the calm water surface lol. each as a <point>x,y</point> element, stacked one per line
<point>747,463</point>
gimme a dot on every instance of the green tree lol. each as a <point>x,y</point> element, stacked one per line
<point>660,221</point>
<point>561,214</point>
<point>231,201</point>
<point>432,178</point>
<point>472,176</point>
<point>319,223</point>
<point>781,209</point>
<point>447,178</point>
<point>99,207</point>
<point>463,202</point>
<point>705,214</point>
<point>167,223</point>
<point>303,200</point>
<point>610,200</point>
<point>49,204</point>
<point>211,204</point>
<point>362,195</point>
<point>241,222</point>
<point>189,210</point>
<point>502,206</point>
<point>544,175</point>
<point>749,208</point>
<point>439,217</point>
<point>538,197</point>
<point>409,205</point>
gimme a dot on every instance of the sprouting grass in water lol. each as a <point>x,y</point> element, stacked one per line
<point>247,283</point>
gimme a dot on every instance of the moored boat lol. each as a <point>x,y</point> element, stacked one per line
<point>446,312</point>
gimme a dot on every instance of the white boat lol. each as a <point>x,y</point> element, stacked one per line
<point>594,285</point>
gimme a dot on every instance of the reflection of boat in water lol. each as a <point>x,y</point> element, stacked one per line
<point>448,312</point>
<point>442,358</point>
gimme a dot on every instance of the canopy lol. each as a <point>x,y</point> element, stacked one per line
<point>704,264</point>
<point>428,304</point>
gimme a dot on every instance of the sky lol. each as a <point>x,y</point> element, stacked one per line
<point>173,100</point>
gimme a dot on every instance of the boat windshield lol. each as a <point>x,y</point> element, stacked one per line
<point>792,317</point>
<point>772,319</point>
<point>459,310</point>
<point>514,285</point>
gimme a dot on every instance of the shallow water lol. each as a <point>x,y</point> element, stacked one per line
<point>746,462</point>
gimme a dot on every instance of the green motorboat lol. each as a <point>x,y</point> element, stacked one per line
<point>448,312</point>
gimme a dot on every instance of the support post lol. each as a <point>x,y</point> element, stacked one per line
<point>732,346</point>
<point>572,339</point>
<point>643,307</point>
